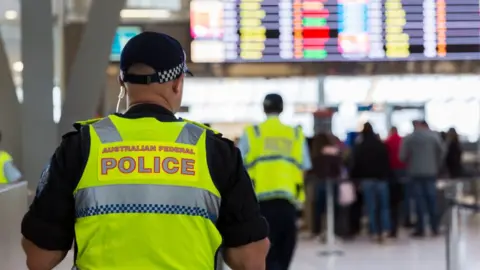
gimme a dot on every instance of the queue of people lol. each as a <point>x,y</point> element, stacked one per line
<point>395,180</point>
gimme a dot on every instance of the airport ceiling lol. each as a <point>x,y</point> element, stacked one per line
<point>136,11</point>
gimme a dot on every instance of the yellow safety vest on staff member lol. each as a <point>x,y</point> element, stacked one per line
<point>276,157</point>
<point>8,172</point>
<point>146,190</point>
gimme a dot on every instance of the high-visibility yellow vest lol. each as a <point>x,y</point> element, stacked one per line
<point>146,199</point>
<point>4,158</point>
<point>274,160</point>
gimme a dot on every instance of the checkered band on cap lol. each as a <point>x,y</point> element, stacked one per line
<point>171,74</point>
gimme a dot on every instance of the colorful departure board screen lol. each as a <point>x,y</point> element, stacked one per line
<point>334,30</point>
<point>122,36</point>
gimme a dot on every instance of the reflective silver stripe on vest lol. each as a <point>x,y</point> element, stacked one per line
<point>153,199</point>
<point>106,131</point>
<point>190,134</point>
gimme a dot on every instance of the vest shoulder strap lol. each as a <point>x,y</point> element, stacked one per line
<point>77,125</point>
<point>256,130</point>
<point>202,126</point>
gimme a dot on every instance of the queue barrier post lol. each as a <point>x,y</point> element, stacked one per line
<point>453,236</point>
<point>331,249</point>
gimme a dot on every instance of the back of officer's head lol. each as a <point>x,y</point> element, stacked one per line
<point>152,70</point>
<point>273,104</point>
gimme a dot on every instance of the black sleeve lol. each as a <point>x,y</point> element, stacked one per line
<point>49,223</point>
<point>240,221</point>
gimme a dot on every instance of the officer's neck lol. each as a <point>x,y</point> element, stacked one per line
<point>272,115</point>
<point>156,101</point>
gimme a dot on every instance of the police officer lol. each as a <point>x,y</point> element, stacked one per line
<point>144,189</point>
<point>276,157</point>
<point>8,172</point>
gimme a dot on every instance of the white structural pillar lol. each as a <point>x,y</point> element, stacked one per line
<point>88,71</point>
<point>39,133</point>
<point>9,109</point>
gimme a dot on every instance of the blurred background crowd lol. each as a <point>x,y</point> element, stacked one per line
<point>394,180</point>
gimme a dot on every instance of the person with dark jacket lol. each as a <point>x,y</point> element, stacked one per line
<point>453,158</point>
<point>371,167</point>
<point>326,165</point>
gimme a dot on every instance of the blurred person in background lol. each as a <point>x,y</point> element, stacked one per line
<point>236,140</point>
<point>453,157</point>
<point>277,157</point>
<point>371,167</point>
<point>8,172</point>
<point>443,136</point>
<point>399,189</point>
<point>422,151</point>
<point>425,124</point>
<point>327,165</point>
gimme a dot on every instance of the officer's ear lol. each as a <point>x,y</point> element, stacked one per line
<point>177,84</point>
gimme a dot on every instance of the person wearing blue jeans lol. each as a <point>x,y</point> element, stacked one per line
<point>377,201</point>
<point>425,193</point>
<point>423,153</point>
<point>371,166</point>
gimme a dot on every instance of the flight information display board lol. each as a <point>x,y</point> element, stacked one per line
<point>334,30</point>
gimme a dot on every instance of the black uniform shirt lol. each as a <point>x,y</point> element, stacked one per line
<point>50,221</point>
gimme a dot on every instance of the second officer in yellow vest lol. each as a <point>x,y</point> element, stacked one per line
<point>8,171</point>
<point>276,156</point>
<point>146,190</point>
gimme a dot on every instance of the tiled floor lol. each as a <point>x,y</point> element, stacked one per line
<point>403,254</point>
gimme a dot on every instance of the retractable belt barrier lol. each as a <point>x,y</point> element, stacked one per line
<point>461,195</point>
<point>331,248</point>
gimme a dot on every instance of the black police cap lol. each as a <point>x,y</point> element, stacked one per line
<point>273,102</point>
<point>159,51</point>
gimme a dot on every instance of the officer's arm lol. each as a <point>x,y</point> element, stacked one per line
<point>240,223</point>
<point>48,226</point>
<point>40,259</point>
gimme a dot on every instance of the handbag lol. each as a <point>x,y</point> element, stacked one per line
<point>347,194</point>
